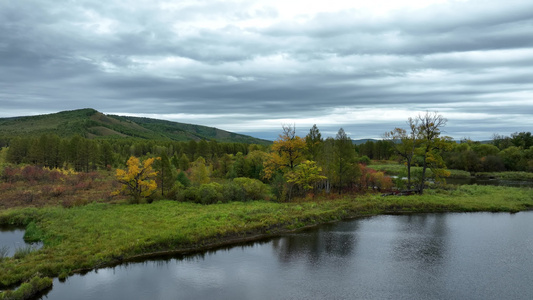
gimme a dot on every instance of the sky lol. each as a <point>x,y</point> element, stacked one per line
<point>252,66</point>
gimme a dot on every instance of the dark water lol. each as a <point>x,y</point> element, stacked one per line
<point>11,238</point>
<point>430,256</point>
<point>490,181</point>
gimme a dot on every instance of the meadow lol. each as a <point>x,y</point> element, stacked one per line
<point>96,235</point>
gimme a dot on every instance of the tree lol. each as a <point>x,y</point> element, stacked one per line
<point>306,175</point>
<point>107,156</point>
<point>404,144</point>
<point>183,162</point>
<point>522,139</point>
<point>313,141</point>
<point>199,172</point>
<point>138,179</point>
<point>18,150</point>
<point>431,144</point>
<point>344,159</point>
<point>165,176</point>
<point>287,152</point>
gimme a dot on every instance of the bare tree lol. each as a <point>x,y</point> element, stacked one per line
<point>404,144</point>
<point>428,131</point>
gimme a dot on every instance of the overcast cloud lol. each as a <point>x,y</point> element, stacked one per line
<point>251,66</point>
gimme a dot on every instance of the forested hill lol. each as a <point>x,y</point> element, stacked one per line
<point>90,123</point>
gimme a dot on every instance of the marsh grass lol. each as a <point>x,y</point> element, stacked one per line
<point>24,251</point>
<point>4,252</point>
<point>400,169</point>
<point>100,234</point>
<point>28,290</point>
<point>507,175</point>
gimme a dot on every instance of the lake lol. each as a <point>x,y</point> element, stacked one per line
<point>11,239</point>
<point>423,256</point>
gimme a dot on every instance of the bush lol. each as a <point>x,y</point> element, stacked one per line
<point>10,174</point>
<point>239,189</point>
<point>33,173</point>
<point>364,160</point>
<point>253,189</point>
<point>210,193</point>
<point>233,192</point>
<point>173,193</point>
<point>190,194</point>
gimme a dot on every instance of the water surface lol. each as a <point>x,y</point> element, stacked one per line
<point>429,256</point>
<point>12,238</point>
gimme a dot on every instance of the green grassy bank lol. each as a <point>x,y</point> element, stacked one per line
<point>97,235</point>
<point>400,169</point>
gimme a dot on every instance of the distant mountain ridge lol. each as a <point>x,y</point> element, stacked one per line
<point>91,123</point>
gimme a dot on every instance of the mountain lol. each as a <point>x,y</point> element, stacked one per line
<point>362,141</point>
<point>93,124</point>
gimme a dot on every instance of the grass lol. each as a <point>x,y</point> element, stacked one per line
<point>4,251</point>
<point>507,175</point>
<point>67,190</point>
<point>101,234</point>
<point>400,169</point>
<point>23,251</point>
<point>28,289</point>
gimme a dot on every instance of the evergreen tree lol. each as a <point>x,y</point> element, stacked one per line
<point>165,176</point>
<point>313,141</point>
<point>344,160</point>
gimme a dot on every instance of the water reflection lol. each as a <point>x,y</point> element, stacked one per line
<point>311,245</point>
<point>433,256</point>
<point>421,238</point>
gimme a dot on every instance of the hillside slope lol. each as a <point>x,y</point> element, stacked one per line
<point>93,124</point>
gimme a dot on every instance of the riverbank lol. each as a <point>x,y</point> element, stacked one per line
<point>396,169</point>
<point>99,234</point>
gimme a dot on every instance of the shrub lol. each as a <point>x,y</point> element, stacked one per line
<point>183,179</point>
<point>58,191</point>
<point>233,192</point>
<point>173,193</point>
<point>27,196</point>
<point>210,193</point>
<point>254,189</point>
<point>380,181</point>
<point>5,186</point>
<point>10,174</point>
<point>33,173</point>
<point>190,194</point>
<point>364,160</point>
<point>55,175</point>
<point>83,186</point>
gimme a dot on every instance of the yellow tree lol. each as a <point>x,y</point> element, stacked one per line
<point>138,180</point>
<point>306,175</point>
<point>287,152</point>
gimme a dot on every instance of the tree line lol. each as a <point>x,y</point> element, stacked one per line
<point>292,166</point>
<point>82,154</point>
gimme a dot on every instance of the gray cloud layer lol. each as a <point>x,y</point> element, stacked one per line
<point>247,67</point>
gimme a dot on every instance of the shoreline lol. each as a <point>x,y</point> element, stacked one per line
<point>99,236</point>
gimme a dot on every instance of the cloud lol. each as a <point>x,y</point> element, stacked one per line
<point>251,66</point>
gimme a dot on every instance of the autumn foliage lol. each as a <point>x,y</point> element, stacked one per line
<point>138,180</point>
